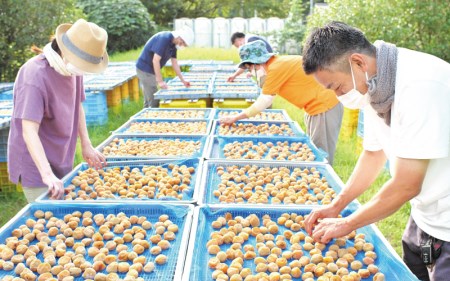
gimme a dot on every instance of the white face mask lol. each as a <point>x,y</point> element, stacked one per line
<point>353,99</point>
<point>179,47</point>
<point>74,70</point>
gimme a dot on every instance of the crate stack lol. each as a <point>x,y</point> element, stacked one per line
<point>7,188</point>
<point>349,123</point>
<point>209,88</point>
<point>109,90</point>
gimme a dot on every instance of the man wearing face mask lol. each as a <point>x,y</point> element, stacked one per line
<point>239,39</point>
<point>157,51</point>
<point>47,116</point>
<point>285,77</point>
<point>406,100</point>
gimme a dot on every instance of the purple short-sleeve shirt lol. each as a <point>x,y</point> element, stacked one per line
<point>44,96</point>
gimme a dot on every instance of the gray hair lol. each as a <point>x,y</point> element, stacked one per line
<point>330,45</point>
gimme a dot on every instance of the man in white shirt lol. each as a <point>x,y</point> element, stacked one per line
<point>406,99</point>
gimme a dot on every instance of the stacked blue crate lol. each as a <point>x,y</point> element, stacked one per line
<point>95,108</point>
<point>6,95</point>
<point>360,129</point>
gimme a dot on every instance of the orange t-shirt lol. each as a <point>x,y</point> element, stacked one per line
<point>285,77</point>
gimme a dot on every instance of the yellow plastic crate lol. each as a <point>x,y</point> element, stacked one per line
<point>232,103</point>
<point>133,85</point>
<point>347,131</point>
<point>168,72</point>
<point>114,97</point>
<point>350,117</point>
<point>359,145</point>
<point>124,91</point>
<point>200,103</point>
<point>7,188</point>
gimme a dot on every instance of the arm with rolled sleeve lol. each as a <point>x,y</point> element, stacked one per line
<point>93,157</point>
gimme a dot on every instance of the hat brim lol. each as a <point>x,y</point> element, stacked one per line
<point>262,59</point>
<point>74,59</point>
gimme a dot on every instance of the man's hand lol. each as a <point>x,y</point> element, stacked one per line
<point>55,186</point>
<point>93,157</point>
<point>231,78</point>
<point>186,83</point>
<point>162,85</point>
<point>327,211</point>
<point>228,120</point>
<point>331,228</point>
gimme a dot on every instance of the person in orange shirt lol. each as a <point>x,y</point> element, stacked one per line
<point>285,77</point>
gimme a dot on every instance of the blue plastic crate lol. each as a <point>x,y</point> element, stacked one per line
<point>6,86</point>
<point>196,267</point>
<point>4,134</point>
<point>281,113</point>
<point>95,102</point>
<point>296,130</point>
<point>97,119</point>
<point>5,121</point>
<point>211,180</point>
<point>171,124</point>
<point>174,113</point>
<point>182,93</point>
<point>216,147</point>
<point>7,95</point>
<point>360,128</point>
<point>189,196</point>
<point>203,140</point>
<point>181,215</point>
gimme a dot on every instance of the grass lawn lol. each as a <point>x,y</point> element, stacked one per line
<point>345,158</point>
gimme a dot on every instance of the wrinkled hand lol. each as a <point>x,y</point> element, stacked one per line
<point>327,211</point>
<point>55,186</point>
<point>93,157</point>
<point>231,78</point>
<point>186,83</point>
<point>162,85</point>
<point>227,120</point>
<point>249,75</point>
<point>331,228</point>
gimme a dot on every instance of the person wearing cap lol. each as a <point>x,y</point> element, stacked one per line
<point>239,39</point>
<point>285,77</point>
<point>157,51</point>
<point>48,116</point>
<point>405,95</point>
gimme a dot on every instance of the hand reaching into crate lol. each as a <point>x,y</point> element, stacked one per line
<point>55,186</point>
<point>228,120</point>
<point>93,157</point>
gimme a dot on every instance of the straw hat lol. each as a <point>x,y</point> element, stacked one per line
<point>83,44</point>
<point>254,52</point>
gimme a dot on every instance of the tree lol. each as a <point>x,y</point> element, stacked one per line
<point>26,23</point>
<point>289,38</point>
<point>418,25</point>
<point>127,22</point>
<point>165,11</point>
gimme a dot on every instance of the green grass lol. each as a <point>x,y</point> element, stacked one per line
<point>345,158</point>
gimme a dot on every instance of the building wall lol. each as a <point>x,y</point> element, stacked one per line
<point>217,32</point>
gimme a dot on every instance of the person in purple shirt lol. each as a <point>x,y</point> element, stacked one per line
<point>47,116</point>
<point>157,51</point>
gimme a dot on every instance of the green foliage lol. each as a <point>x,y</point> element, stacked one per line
<point>127,22</point>
<point>418,25</point>
<point>26,23</point>
<point>289,38</point>
<point>165,11</point>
